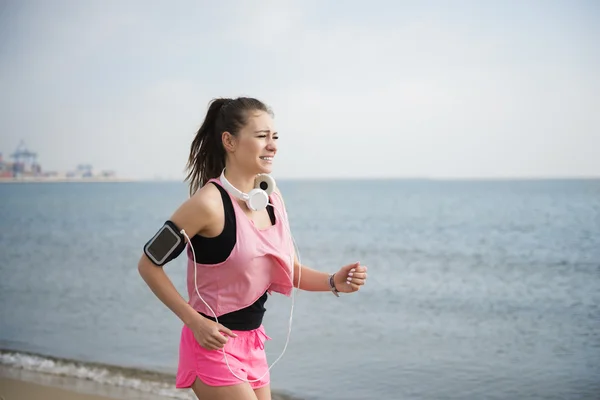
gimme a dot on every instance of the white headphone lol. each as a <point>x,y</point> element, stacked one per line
<point>258,198</point>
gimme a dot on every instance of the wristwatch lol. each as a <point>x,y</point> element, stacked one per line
<point>332,285</point>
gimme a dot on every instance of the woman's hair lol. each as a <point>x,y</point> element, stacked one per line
<point>207,154</point>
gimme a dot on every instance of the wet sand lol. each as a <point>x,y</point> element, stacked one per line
<point>11,389</point>
<point>18,384</point>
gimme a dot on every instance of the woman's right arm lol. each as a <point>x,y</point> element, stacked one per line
<point>196,215</point>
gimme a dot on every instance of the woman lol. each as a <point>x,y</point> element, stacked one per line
<point>238,253</point>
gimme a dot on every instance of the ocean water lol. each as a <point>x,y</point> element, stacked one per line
<point>476,290</point>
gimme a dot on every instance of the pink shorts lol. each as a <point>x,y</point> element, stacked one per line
<point>245,355</point>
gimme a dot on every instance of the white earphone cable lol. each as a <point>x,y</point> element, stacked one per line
<point>294,289</point>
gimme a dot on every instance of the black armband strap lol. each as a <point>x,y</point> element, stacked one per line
<point>165,245</point>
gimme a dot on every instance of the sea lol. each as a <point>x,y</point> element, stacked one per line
<point>476,289</point>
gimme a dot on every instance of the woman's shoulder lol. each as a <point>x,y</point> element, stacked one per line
<point>201,211</point>
<point>207,198</point>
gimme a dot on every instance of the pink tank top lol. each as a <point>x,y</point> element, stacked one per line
<point>260,261</point>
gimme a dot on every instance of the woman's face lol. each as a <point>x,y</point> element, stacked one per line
<point>255,145</point>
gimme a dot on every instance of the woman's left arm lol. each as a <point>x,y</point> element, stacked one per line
<point>347,280</point>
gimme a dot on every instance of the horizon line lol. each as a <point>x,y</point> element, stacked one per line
<point>408,178</point>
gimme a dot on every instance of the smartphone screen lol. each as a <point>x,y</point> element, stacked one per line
<point>163,244</point>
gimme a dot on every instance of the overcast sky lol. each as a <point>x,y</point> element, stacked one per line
<point>359,89</point>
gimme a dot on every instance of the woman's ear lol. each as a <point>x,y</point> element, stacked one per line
<point>228,141</point>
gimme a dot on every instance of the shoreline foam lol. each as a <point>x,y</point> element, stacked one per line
<point>17,384</point>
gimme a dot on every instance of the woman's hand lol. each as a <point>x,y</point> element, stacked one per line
<point>209,334</point>
<point>350,278</point>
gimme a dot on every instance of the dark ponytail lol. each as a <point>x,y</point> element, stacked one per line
<point>207,154</point>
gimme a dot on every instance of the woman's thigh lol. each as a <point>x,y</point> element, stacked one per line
<point>241,391</point>
<point>263,393</point>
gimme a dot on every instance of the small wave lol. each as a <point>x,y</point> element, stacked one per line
<point>151,382</point>
<point>130,378</point>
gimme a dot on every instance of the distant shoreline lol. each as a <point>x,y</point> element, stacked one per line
<point>64,180</point>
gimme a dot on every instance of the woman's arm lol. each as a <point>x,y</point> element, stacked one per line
<point>160,284</point>
<point>348,279</point>
<point>196,214</point>
<point>311,280</point>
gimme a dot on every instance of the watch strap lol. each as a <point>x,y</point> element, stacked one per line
<point>332,285</point>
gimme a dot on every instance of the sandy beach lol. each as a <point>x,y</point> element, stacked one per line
<point>20,384</point>
<point>12,389</point>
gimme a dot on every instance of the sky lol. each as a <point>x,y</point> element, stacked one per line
<point>375,89</point>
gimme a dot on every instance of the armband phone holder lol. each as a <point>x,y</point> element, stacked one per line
<point>165,245</point>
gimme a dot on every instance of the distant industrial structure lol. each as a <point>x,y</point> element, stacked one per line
<point>24,166</point>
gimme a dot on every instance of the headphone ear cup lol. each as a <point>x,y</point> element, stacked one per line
<point>257,200</point>
<point>265,182</point>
